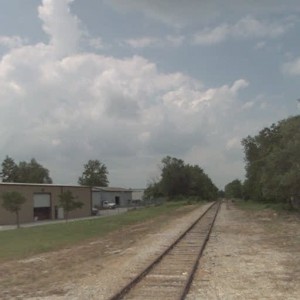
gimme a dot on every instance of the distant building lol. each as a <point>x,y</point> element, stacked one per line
<point>42,200</point>
<point>120,196</point>
<point>138,196</point>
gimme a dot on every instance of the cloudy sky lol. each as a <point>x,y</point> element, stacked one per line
<point>131,81</point>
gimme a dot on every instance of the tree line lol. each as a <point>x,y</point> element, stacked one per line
<point>180,179</point>
<point>95,173</point>
<point>25,172</point>
<point>272,164</point>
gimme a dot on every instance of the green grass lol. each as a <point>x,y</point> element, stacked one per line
<point>255,206</point>
<point>24,242</point>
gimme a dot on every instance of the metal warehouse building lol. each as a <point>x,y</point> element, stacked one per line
<point>121,197</point>
<point>42,202</point>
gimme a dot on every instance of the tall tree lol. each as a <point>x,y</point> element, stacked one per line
<point>273,162</point>
<point>281,175</point>
<point>9,171</point>
<point>25,172</point>
<point>234,189</point>
<point>68,203</point>
<point>174,177</point>
<point>179,179</point>
<point>32,172</point>
<point>94,174</point>
<point>153,191</point>
<point>200,184</point>
<point>13,201</point>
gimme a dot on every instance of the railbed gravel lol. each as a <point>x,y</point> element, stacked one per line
<point>127,263</point>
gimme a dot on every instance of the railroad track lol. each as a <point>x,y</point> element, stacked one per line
<point>171,274</point>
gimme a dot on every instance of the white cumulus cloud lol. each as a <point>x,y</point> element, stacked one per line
<point>61,26</point>
<point>178,13</point>
<point>292,67</point>
<point>12,41</point>
<point>64,106</point>
<point>245,28</point>
<point>144,42</point>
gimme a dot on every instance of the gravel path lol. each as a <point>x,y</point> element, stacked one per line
<point>250,257</point>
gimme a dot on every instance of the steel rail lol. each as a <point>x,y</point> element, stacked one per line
<point>197,262</point>
<point>120,294</point>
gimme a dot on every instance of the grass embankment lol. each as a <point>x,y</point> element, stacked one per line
<point>255,205</point>
<point>15,244</point>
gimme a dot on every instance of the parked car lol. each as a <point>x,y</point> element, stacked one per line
<point>95,211</point>
<point>110,205</point>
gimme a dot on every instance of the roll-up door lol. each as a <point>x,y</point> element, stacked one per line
<point>41,200</point>
<point>41,206</point>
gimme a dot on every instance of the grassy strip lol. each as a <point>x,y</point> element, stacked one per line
<point>255,206</point>
<point>22,243</point>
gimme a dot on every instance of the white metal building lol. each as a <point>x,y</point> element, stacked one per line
<point>137,196</point>
<point>120,196</point>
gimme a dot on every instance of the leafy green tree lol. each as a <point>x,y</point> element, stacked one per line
<point>196,180</point>
<point>174,177</point>
<point>94,174</point>
<point>31,172</point>
<point>221,194</point>
<point>273,162</point>
<point>9,171</point>
<point>68,203</point>
<point>179,179</point>
<point>13,201</point>
<point>200,184</point>
<point>153,191</point>
<point>234,189</point>
<point>281,176</point>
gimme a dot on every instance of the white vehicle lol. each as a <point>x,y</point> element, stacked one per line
<point>95,211</point>
<point>110,205</point>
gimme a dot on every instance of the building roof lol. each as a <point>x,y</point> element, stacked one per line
<point>44,184</point>
<point>95,188</point>
<point>110,189</point>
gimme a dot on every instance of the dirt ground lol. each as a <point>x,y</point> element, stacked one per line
<point>249,256</point>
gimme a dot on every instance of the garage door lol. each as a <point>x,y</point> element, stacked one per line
<point>41,200</point>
